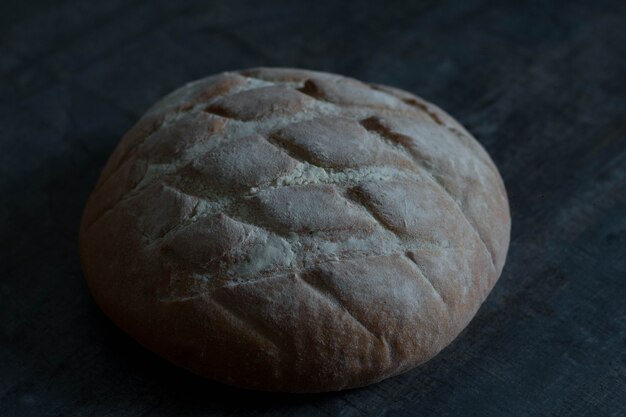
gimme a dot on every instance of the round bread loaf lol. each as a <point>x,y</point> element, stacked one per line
<point>291,230</point>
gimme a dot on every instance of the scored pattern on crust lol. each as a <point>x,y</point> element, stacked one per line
<point>295,230</point>
<point>253,200</point>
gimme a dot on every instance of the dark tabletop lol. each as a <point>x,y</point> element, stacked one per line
<point>542,85</point>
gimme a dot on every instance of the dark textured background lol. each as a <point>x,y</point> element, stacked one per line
<point>541,84</point>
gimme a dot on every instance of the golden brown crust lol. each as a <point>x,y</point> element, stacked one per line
<point>291,230</point>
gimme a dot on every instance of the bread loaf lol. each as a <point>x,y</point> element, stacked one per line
<point>291,230</point>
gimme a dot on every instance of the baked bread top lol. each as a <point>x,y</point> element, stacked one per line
<point>292,230</point>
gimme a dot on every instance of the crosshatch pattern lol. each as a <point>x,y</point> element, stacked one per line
<point>296,179</point>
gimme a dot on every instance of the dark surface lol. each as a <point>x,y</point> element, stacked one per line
<point>541,85</point>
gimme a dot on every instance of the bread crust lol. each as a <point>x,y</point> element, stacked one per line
<point>289,230</point>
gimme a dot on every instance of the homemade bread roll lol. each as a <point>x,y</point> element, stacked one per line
<point>291,230</point>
